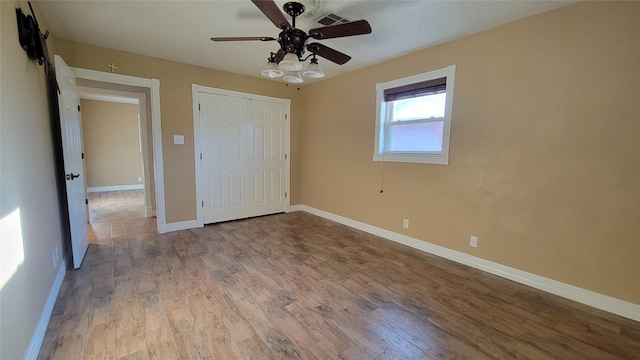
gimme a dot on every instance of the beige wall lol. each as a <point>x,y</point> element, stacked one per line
<point>544,161</point>
<point>177,115</point>
<point>537,170</point>
<point>28,197</point>
<point>111,140</point>
<point>544,157</point>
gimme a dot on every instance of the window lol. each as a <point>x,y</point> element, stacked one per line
<point>413,118</point>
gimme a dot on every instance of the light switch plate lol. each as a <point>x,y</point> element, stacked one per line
<point>178,139</point>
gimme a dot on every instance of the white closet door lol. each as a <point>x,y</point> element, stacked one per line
<point>243,157</point>
<point>223,126</point>
<point>267,166</point>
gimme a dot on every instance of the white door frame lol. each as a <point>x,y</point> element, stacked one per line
<point>195,90</point>
<point>114,96</point>
<point>154,88</point>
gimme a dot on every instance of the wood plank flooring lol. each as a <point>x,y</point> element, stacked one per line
<point>295,286</point>
<point>114,214</point>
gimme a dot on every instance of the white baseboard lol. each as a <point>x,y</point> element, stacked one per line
<point>181,225</point>
<point>588,297</point>
<point>296,208</point>
<point>162,226</point>
<point>45,316</point>
<point>149,212</point>
<point>115,188</point>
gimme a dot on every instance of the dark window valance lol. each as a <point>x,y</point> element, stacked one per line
<point>423,88</point>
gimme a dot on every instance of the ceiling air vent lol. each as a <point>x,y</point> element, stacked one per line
<point>331,19</point>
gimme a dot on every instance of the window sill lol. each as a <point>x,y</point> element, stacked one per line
<point>413,158</point>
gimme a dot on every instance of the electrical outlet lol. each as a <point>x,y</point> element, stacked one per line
<point>473,242</point>
<point>139,178</point>
<point>405,223</point>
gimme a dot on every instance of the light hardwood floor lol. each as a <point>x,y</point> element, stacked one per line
<point>114,214</point>
<point>294,286</point>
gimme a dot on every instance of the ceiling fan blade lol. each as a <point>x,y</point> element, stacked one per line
<point>245,38</point>
<point>271,10</point>
<point>335,31</point>
<point>328,53</point>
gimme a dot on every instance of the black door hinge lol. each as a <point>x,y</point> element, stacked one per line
<point>82,155</point>
<point>78,108</point>
<point>86,201</point>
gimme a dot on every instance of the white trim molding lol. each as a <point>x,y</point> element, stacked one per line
<point>298,207</point>
<point>162,226</point>
<point>571,292</point>
<point>45,316</point>
<point>195,104</point>
<point>157,155</point>
<point>111,77</point>
<point>115,188</point>
<point>181,225</point>
<point>108,98</point>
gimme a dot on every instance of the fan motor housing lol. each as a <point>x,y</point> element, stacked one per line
<point>293,41</point>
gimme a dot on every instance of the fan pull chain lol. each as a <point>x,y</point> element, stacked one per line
<point>382,175</point>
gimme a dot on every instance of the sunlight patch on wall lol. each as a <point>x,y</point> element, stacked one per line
<point>11,248</point>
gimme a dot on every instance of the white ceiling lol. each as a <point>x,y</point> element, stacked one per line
<point>180,30</point>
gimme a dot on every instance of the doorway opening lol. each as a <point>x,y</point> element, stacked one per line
<point>118,182</point>
<point>77,240</point>
<point>146,92</point>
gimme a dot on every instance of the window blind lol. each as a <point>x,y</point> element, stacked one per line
<point>423,88</point>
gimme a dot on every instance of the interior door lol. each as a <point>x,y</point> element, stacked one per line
<point>223,126</point>
<point>71,132</point>
<point>266,166</point>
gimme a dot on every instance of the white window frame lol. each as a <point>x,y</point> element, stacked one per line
<point>382,139</point>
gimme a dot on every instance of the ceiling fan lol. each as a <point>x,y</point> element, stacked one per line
<point>294,42</point>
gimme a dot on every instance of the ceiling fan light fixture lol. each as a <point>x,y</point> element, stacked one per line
<point>293,77</point>
<point>272,70</point>
<point>290,62</point>
<point>313,70</point>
